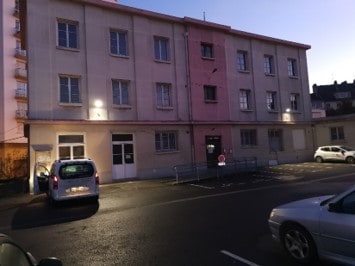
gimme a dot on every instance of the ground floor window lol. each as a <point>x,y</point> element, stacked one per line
<point>275,140</point>
<point>336,133</point>
<point>71,147</point>
<point>248,137</point>
<point>165,141</point>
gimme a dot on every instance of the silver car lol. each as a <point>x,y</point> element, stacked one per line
<point>320,227</point>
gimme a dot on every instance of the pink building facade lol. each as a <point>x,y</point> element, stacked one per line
<point>141,92</point>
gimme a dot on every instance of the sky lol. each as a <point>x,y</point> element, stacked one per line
<point>328,26</point>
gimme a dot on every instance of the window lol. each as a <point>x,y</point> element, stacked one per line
<point>163,95</point>
<point>120,92</point>
<point>165,141</point>
<point>275,140</point>
<point>244,98</point>
<point>118,43</point>
<point>69,90</point>
<point>161,49</point>
<point>242,60</point>
<point>210,93</point>
<point>207,50</point>
<point>68,34</point>
<point>294,102</point>
<point>271,101</point>
<point>269,68</point>
<point>292,67</point>
<point>248,137</point>
<point>336,133</point>
<point>71,147</point>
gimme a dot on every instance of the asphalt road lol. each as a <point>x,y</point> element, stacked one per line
<point>215,222</point>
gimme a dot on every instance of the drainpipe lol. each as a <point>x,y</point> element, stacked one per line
<point>189,97</point>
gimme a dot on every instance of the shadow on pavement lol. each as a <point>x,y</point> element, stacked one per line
<point>39,212</point>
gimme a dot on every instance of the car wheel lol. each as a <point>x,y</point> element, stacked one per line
<point>350,160</point>
<point>319,159</point>
<point>299,244</point>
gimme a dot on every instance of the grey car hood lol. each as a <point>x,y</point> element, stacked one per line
<point>305,203</point>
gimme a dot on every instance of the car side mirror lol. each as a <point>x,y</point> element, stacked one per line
<point>51,261</point>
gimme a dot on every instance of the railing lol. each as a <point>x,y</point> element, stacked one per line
<point>197,172</point>
<point>20,52</point>
<point>21,93</point>
<point>21,114</point>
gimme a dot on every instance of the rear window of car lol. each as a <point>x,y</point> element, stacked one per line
<point>79,170</point>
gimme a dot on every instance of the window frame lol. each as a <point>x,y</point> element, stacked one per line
<point>248,138</point>
<point>117,43</point>
<point>242,61</point>
<point>70,88</point>
<point>161,43</point>
<point>271,101</point>
<point>169,145</point>
<point>269,65</point>
<point>294,102</point>
<point>275,134</point>
<point>207,50</point>
<point>120,90</point>
<point>210,93</point>
<point>72,145</point>
<point>163,102</point>
<point>292,67</point>
<point>68,33</point>
<point>245,99</point>
<point>337,133</point>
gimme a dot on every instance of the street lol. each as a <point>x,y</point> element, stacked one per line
<point>215,222</point>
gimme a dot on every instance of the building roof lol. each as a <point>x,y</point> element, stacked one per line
<point>333,92</point>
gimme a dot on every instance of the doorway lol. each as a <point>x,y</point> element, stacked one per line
<point>213,150</point>
<point>123,156</point>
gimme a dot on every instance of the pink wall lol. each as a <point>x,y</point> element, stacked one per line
<point>201,73</point>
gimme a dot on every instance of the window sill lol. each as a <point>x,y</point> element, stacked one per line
<point>211,101</point>
<point>273,111</point>
<point>207,58</point>
<point>120,55</point>
<point>244,71</point>
<point>166,152</point>
<point>247,110</point>
<point>71,104</point>
<point>162,61</point>
<point>165,108</point>
<point>293,77</point>
<point>68,49</point>
<point>122,106</point>
<point>270,74</point>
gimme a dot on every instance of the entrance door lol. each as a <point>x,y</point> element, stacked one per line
<point>123,159</point>
<point>213,150</point>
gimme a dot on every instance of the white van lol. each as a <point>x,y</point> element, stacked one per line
<point>67,179</point>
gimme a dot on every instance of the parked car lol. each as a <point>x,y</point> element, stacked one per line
<point>319,227</point>
<point>335,153</point>
<point>12,254</point>
<point>67,179</point>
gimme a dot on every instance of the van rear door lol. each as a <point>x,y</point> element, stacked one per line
<point>40,179</point>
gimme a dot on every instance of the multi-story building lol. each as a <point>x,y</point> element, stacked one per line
<point>13,93</point>
<point>140,92</point>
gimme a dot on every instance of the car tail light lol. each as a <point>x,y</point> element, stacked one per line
<point>97,179</point>
<point>55,182</point>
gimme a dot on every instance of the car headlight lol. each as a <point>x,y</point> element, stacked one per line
<point>272,214</point>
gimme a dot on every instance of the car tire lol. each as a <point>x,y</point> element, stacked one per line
<point>350,160</point>
<point>299,244</point>
<point>319,159</point>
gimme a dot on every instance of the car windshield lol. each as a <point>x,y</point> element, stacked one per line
<point>78,170</point>
<point>347,148</point>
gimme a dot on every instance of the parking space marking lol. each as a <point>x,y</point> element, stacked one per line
<point>245,261</point>
<point>200,186</point>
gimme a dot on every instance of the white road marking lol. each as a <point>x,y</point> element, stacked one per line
<point>245,261</point>
<point>206,187</point>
